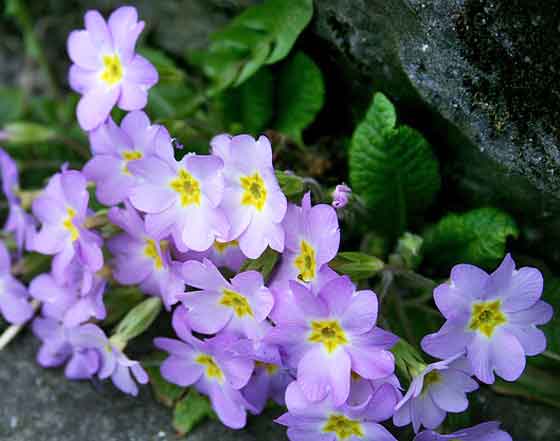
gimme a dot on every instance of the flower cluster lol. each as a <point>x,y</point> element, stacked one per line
<point>182,230</point>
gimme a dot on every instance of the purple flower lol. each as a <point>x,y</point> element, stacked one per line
<point>333,334</point>
<point>491,317</point>
<point>115,147</point>
<point>222,254</point>
<point>439,388</point>
<point>361,389</point>
<point>213,369</point>
<point>238,307</point>
<point>72,346</point>
<point>21,224</point>
<point>141,258</point>
<point>269,380</point>
<point>14,298</point>
<point>62,210</point>
<point>181,199</point>
<point>340,196</point>
<point>106,70</point>
<point>482,432</point>
<point>326,421</point>
<point>253,200</point>
<point>312,240</point>
<point>75,300</point>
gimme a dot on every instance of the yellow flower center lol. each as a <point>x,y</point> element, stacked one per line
<point>130,155</point>
<point>255,191</point>
<point>151,251</point>
<point>270,368</point>
<point>212,368</point>
<point>328,332</point>
<point>113,71</point>
<point>486,317</point>
<point>305,262</point>
<point>237,302</point>
<point>343,427</point>
<point>187,187</point>
<point>68,224</point>
<point>430,378</point>
<point>220,247</point>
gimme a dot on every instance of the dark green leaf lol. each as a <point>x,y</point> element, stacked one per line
<point>262,34</point>
<point>11,104</point>
<point>301,95</point>
<point>477,237</point>
<point>292,185</point>
<point>264,264</point>
<point>24,132</point>
<point>249,106</point>
<point>119,301</point>
<point>392,169</point>
<point>191,411</point>
<point>168,71</point>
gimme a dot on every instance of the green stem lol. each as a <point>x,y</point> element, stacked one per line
<point>551,355</point>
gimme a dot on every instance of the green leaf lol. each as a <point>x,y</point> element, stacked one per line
<point>392,169</point>
<point>264,264</point>
<point>292,185</point>
<point>262,34</point>
<point>191,411</point>
<point>119,301</point>
<point>249,106</point>
<point>357,265</point>
<point>301,95</point>
<point>166,393</point>
<point>477,237</point>
<point>138,319</point>
<point>23,132</point>
<point>11,104</point>
<point>168,71</point>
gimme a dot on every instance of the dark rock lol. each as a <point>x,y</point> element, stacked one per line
<point>42,405</point>
<point>480,78</point>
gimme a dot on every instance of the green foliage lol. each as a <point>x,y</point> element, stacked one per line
<point>191,411</point>
<point>551,295</point>
<point>301,95</point>
<point>477,237</point>
<point>262,34</point>
<point>292,185</point>
<point>139,319</point>
<point>264,264</point>
<point>11,104</point>
<point>249,107</point>
<point>119,301</point>
<point>24,132</point>
<point>357,265</point>
<point>393,169</point>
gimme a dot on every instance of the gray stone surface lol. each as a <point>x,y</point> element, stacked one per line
<point>478,77</point>
<point>41,405</point>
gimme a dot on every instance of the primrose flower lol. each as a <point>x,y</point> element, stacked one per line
<point>62,210</point>
<point>361,389</point>
<point>253,201</point>
<point>213,369</point>
<point>482,432</point>
<point>312,240</point>
<point>115,147</point>
<point>333,334</point>
<point>181,199</point>
<point>269,380</point>
<point>491,317</point>
<point>222,254</point>
<point>238,307</point>
<point>21,224</point>
<point>439,388</point>
<point>106,70</point>
<point>341,195</point>
<point>141,258</point>
<point>73,302</point>
<point>326,421</point>
<point>14,298</point>
<point>61,345</point>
